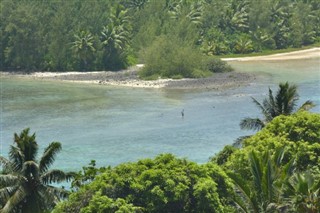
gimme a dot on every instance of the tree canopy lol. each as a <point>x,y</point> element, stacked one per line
<point>111,35</point>
<point>163,184</point>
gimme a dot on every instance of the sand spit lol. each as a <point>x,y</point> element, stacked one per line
<point>300,54</point>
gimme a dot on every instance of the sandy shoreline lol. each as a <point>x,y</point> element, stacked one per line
<point>129,78</point>
<point>300,54</point>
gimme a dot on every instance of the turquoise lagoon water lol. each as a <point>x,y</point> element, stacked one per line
<point>114,125</point>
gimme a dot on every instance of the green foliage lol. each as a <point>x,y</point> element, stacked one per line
<point>100,203</point>
<point>170,57</point>
<point>274,186</point>
<point>216,65</point>
<point>38,35</point>
<point>83,46</point>
<point>87,175</point>
<point>262,189</point>
<point>223,156</point>
<point>299,133</point>
<point>303,193</point>
<point>165,184</point>
<point>26,182</point>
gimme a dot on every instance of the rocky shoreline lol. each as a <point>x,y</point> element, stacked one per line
<point>130,78</point>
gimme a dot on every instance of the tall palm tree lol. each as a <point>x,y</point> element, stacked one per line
<point>115,38</point>
<point>83,46</point>
<point>25,181</point>
<point>284,103</point>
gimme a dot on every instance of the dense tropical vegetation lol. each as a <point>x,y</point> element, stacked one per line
<point>25,182</point>
<point>111,35</point>
<point>276,170</point>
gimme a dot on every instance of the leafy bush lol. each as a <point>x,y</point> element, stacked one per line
<point>170,57</point>
<point>222,157</point>
<point>217,65</point>
<point>164,184</point>
<point>299,133</point>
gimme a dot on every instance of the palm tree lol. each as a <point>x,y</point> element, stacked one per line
<point>115,38</point>
<point>192,11</point>
<point>284,103</point>
<point>243,45</point>
<point>262,193</point>
<point>25,181</point>
<point>83,46</point>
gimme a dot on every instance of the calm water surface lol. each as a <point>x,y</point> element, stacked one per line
<point>114,125</point>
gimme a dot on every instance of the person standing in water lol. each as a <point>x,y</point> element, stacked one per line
<point>182,113</point>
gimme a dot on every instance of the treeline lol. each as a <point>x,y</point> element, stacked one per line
<point>111,35</point>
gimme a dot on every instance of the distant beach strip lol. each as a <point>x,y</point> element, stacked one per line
<point>300,54</point>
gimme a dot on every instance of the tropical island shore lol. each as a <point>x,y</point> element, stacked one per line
<point>129,77</point>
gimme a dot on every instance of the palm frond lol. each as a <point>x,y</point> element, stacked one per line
<point>278,156</point>
<point>58,192</point>
<point>239,142</point>
<point>252,124</point>
<point>16,157</point>
<point>56,176</point>
<point>270,107</point>
<point>8,180</point>
<point>307,105</point>
<point>286,98</point>
<point>6,192</point>
<point>269,178</point>
<point>14,200</point>
<point>241,184</point>
<point>47,196</point>
<point>256,170</point>
<point>263,109</point>
<point>49,155</point>
<point>6,164</point>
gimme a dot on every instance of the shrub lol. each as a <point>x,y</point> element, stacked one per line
<point>216,65</point>
<point>170,57</point>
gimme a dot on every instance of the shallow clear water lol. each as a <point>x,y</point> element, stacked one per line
<point>114,125</point>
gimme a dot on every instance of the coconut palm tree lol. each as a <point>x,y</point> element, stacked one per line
<point>83,46</point>
<point>115,38</point>
<point>284,103</point>
<point>25,181</point>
